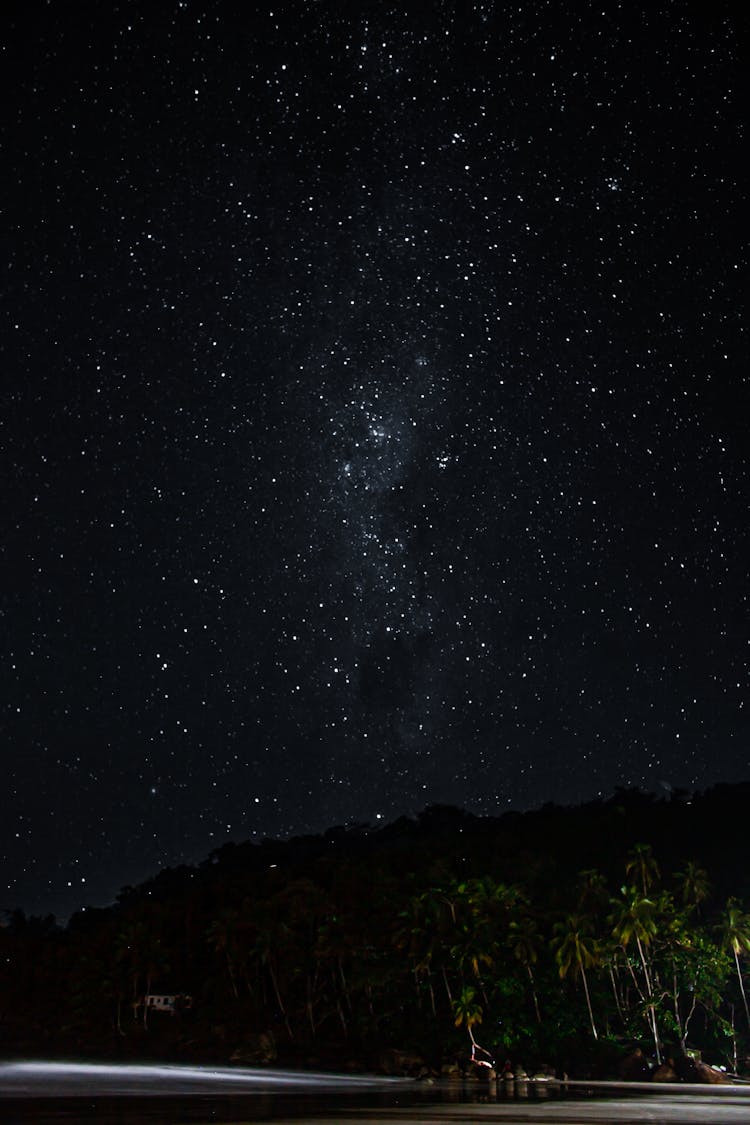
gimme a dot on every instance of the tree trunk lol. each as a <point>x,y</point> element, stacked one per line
<point>678,1019</point>
<point>651,1006</point>
<point>309,1005</point>
<point>447,985</point>
<point>742,986</point>
<point>588,999</point>
<point>230,967</point>
<point>344,985</point>
<point>432,993</point>
<point>339,1007</point>
<point>617,997</point>
<point>533,993</point>
<point>279,1001</point>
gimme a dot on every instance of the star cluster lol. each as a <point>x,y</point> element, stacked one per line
<point>373,422</point>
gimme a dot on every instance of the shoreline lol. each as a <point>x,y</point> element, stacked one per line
<point>575,1102</point>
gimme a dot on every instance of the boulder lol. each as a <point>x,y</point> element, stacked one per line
<point>256,1049</point>
<point>634,1067</point>
<point>403,1063</point>
<point>709,1075</point>
<point>685,1068</point>
<point>545,1073</point>
<point>665,1073</point>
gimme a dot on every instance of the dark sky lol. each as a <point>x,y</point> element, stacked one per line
<point>374,419</point>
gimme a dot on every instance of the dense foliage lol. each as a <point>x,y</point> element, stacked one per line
<point>560,935</point>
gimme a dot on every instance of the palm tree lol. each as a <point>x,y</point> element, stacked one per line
<point>576,949</point>
<point>127,956</point>
<point>473,936</point>
<point>609,958</point>
<point>641,863</point>
<point>592,891</point>
<point>467,1011</point>
<point>222,934</point>
<point>154,964</point>
<point>694,885</point>
<point>313,933</point>
<point>139,950</point>
<point>524,942</point>
<point>485,910</point>
<point>633,920</point>
<point>130,946</point>
<point>419,934</point>
<point>269,944</point>
<point>336,945</point>
<point>735,933</point>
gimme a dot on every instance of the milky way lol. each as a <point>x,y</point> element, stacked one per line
<point>373,421</point>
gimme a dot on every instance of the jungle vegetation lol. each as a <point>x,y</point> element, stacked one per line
<point>560,936</point>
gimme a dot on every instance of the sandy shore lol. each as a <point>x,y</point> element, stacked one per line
<point>693,1105</point>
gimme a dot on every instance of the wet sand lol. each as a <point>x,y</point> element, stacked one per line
<point>693,1106</point>
<point>642,1110</point>
<point>50,1093</point>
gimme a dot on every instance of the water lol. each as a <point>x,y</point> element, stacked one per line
<point>51,1093</point>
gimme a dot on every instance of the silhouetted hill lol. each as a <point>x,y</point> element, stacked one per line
<point>365,938</point>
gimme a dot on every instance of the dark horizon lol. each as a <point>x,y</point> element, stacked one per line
<point>436,817</point>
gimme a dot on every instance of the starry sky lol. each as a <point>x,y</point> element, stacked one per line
<point>373,419</point>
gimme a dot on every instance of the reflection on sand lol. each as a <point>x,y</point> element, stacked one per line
<point>132,1094</point>
<point>46,1079</point>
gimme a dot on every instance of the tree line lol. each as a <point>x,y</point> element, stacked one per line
<point>560,936</point>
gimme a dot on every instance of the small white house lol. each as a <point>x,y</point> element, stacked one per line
<point>173,1003</point>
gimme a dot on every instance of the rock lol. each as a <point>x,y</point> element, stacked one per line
<point>256,1049</point>
<point>709,1075</point>
<point>665,1073</point>
<point>402,1063</point>
<point>685,1068</point>
<point>545,1073</point>
<point>634,1067</point>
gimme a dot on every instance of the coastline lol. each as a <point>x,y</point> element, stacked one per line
<point>207,1099</point>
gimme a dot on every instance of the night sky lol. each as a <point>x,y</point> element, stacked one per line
<point>373,420</point>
